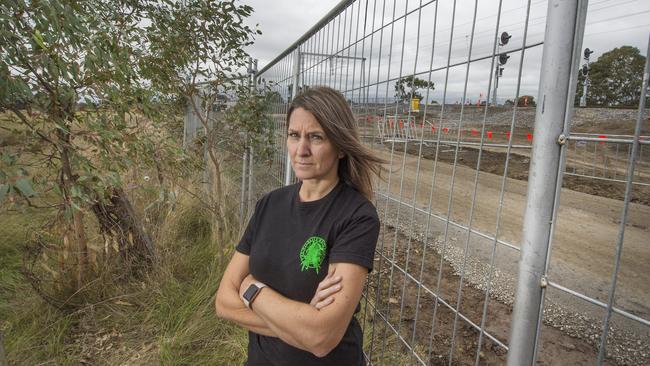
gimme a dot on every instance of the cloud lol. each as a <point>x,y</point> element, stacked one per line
<point>610,24</point>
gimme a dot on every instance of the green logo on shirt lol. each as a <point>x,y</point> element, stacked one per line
<point>312,253</point>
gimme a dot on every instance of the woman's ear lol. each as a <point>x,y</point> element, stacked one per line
<point>341,154</point>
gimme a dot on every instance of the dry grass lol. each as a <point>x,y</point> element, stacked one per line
<point>165,317</point>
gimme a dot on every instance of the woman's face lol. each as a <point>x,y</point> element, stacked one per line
<point>313,156</point>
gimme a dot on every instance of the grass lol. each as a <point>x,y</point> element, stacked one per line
<point>166,317</point>
<point>33,331</point>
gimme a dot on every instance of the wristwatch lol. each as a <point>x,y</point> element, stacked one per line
<point>251,293</point>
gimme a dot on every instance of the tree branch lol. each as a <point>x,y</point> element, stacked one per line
<point>24,120</point>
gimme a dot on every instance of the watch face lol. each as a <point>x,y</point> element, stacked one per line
<point>250,292</point>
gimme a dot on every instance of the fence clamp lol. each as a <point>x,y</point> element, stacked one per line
<point>543,283</point>
<point>562,139</point>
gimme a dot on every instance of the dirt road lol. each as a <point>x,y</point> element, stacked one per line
<point>583,245</point>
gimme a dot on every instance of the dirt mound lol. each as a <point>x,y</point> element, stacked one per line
<point>495,161</point>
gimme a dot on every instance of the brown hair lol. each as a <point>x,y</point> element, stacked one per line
<point>335,116</point>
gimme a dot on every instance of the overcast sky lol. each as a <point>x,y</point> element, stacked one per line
<point>610,24</point>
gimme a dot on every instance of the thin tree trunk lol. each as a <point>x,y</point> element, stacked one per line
<point>80,232</point>
<point>217,193</point>
<point>219,222</point>
<point>118,219</point>
<point>67,180</point>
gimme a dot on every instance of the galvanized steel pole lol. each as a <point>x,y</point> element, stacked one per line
<point>294,92</point>
<point>244,172</point>
<point>545,159</point>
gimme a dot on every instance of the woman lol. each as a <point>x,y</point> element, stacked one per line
<point>296,278</point>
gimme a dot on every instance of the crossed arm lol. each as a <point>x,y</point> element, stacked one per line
<point>317,327</point>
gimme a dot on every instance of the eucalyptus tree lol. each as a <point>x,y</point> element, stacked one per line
<point>90,87</point>
<point>203,59</point>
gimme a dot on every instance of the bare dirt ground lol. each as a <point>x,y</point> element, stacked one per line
<point>582,257</point>
<point>411,309</point>
<point>493,161</point>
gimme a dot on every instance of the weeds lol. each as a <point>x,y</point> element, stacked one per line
<point>166,317</point>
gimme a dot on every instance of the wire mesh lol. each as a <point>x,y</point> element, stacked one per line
<point>451,205</point>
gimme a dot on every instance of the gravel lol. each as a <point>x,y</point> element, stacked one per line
<point>624,347</point>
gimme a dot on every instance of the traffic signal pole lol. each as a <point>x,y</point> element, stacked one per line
<point>585,73</point>
<point>498,70</point>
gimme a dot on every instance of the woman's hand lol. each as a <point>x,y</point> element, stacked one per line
<point>326,289</point>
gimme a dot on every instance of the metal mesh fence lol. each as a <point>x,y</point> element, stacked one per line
<point>474,195</point>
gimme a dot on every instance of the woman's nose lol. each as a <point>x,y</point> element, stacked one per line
<point>303,146</point>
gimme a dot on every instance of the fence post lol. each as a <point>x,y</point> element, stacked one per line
<point>294,92</point>
<point>555,86</point>
<point>190,122</point>
<point>251,172</point>
<point>244,171</point>
<point>251,177</point>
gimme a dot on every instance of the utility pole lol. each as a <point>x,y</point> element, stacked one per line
<point>585,81</point>
<point>498,70</point>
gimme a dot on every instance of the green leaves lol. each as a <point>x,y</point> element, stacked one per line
<point>248,122</point>
<point>24,186</point>
<point>4,189</point>
<point>39,39</point>
<point>414,85</point>
<point>106,82</point>
<point>615,78</point>
<point>14,180</point>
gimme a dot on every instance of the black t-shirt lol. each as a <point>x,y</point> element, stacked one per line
<point>290,245</point>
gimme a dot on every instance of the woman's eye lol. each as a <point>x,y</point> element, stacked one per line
<point>316,137</point>
<point>293,134</point>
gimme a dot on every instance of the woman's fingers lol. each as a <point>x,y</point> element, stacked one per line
<point>324,303</point>
<point>329,291</point>
<point>327,287</point>
<point>328,282</point>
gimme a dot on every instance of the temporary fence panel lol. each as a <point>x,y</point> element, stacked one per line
<point>460,224</point>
